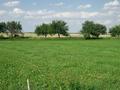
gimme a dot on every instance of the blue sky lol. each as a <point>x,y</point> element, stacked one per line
<point>33,12</point>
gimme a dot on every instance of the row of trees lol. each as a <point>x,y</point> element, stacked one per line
<point>13,28</point>
<point>89,29</point>
<point>56,27</point>
<point>59,27</point>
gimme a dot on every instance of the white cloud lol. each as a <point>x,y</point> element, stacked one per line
<point>45,14</point>
<point>112,5</point>
<point>2,12</point>
<point>18,11</point>
<point>107,22</point>
<point>84,6</point>
<point>107,13</point>
<point>110,9</point>
<point>12,3</point>
<point>74,15</point>
<point>38,14</point>
<point>57,4</point>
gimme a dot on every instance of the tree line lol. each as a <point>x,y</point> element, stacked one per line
<point>12,28</point>
<point>56,27</point>
<point>89,29</point>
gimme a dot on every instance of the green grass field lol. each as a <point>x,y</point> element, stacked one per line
<point>60,64</point>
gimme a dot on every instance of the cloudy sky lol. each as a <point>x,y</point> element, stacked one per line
<point>33,12</point>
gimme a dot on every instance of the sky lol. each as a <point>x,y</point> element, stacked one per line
<point>75,12</point>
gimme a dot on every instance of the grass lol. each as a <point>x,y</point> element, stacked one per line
<point>60,64</point>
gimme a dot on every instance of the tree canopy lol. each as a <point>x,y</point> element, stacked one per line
<point>115,31</point>
<point>14,28</point>
<point>91,29</point>
<point>3,27</point>
<point>43,29</point>
<point>60,27</point>
<point>56,27</point>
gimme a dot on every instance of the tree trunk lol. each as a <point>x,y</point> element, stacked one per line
<point>45,36</point>
<point>59,35</point>
<point>97,36</point>
<point>12,35</point>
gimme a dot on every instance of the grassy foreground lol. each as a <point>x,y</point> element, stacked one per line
<point>60,64</point>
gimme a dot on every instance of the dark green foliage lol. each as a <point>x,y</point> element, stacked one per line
<point>43,29</point>
<point>14,28</point>
<point>60,27</point>
<point>98,29</point>
<point>91,29</point>
<point>115,31</point>
<point>50,29</point>
<point>56,27</point>
<point>3,27</point>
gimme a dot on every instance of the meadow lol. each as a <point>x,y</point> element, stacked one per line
<point>59,64</point>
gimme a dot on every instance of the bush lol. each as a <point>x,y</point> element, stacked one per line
<point>115,31</point>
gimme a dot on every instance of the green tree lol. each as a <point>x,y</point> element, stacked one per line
<point>50,29</point>
<point>14,28</point>
<point>59,27</point>
<point>3,28</point>
<point>43,29</point>
<point>115,31</point>
<point>87,28</point>
<point>98,29</point>
<point>91,29</point>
